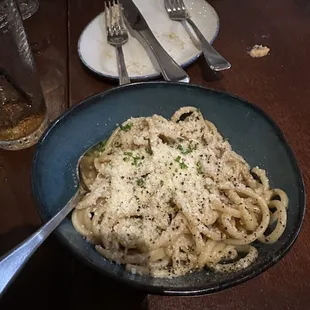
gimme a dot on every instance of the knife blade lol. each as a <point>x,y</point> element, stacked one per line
<point>170,70</point>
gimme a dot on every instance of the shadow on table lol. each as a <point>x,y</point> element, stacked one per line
<point>10,239</point>
<point>91,290</point>
<point>44,281</point>
<point>208,74</point>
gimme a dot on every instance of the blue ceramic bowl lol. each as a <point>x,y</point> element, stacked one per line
<point>250,131</point>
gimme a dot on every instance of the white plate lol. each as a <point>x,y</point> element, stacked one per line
<point>100,57</point>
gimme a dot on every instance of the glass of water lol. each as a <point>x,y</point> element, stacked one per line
<point>23,112</point>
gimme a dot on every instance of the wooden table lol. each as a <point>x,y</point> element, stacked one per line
<point>279,83</point>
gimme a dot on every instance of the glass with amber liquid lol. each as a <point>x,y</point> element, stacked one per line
<point>23,113</point>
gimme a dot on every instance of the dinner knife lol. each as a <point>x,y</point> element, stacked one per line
<point>170,70</point>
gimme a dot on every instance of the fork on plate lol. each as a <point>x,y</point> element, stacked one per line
<point>177,11</point>
<point>117,36</point>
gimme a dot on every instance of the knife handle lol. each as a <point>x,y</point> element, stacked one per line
<point>170,70</point>
<point>215,61</point>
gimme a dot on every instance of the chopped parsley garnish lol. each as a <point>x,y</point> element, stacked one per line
<point>97,149</point>
<point>182,165</point>
<point>135,159</point>
<point>126,128</point>
<point>140,182</point>
<point>183,150</point>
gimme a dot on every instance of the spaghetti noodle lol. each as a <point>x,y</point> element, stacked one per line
<point>171,196</point>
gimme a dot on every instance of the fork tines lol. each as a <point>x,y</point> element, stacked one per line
<point>113,16</point>
<point>176,5</point>
<point>176,8</point>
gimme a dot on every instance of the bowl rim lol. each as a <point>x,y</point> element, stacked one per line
<point>149,289</point>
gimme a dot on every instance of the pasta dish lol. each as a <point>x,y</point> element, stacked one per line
<point>167,197</point>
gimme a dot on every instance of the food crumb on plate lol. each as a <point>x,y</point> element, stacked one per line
<point>258,51</point>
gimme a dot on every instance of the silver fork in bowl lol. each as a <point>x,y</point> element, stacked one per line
<point>117,36</point>
<point>177,11</point>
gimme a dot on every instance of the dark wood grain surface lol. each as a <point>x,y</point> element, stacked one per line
<point>279,83</point>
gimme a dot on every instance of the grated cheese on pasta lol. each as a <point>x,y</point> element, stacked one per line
<point>171,196</point>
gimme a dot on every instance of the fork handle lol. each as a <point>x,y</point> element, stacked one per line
<point>122,71</point>
<point>170,70</point>
<point>13,262</point>
<point>215,61</point>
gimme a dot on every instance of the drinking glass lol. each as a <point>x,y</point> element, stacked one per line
<point>23,113</point>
